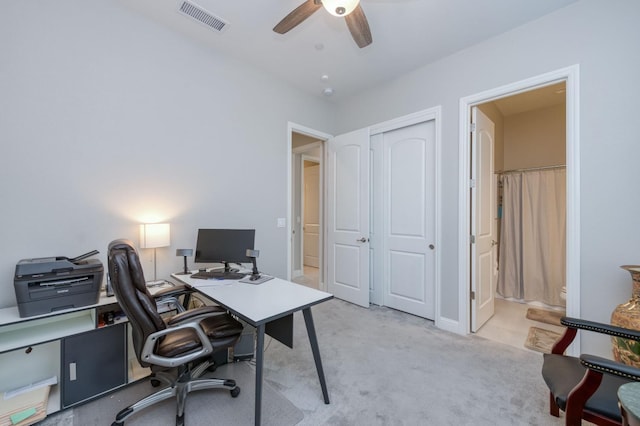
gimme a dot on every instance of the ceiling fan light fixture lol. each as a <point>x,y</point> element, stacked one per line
<point>340,7</point>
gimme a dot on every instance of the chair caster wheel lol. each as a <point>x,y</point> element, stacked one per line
<point>235,392</point>
<point>212,368</point>
<point>117,424</point>
<point>180,420</point>
<point>155,383</point>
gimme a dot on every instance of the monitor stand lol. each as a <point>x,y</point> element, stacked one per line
<point>228,269</point>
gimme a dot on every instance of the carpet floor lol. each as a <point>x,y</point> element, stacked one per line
<point>203,408</point>
<point>384,367</point>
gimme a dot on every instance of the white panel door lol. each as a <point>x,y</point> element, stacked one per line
<point>483,222</point>
<point>409,219</point>
<point>348,217</point>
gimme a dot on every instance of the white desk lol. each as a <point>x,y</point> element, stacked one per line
<point>268,307</point>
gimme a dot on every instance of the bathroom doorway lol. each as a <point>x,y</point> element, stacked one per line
<point>534,129</point>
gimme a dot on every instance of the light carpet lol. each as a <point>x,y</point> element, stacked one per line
<point>384,367</point>
<point>203,408</point>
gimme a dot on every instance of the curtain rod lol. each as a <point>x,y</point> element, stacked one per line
<point>530,169</point>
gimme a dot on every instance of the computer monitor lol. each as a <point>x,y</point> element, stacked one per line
<point>224,246</point>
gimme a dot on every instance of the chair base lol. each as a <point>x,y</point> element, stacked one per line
<point>179,389</point>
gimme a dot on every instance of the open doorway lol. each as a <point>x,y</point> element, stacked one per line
<point>307,223</point>
<point>527,198</point>
<point>537,103</point>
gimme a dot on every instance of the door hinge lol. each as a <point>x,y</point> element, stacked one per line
<point>473,127</point>
<point>473,295</point>
<point>472,183</point>
<point>473,239</point>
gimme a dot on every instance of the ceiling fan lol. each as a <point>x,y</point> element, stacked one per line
<point>350,9</point>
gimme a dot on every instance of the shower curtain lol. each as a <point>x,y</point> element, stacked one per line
<point>532,263</point>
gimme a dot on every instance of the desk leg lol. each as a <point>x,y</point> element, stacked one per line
<point>311,331</point>
<point>259,363</point>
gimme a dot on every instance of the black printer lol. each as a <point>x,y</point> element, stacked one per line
<point>49,284</point>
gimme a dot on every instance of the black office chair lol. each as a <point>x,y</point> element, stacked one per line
<point>184,342</point>
<point>586,387</point>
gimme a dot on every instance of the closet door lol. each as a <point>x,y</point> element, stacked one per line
<point>348,217</point>
<point>409,178</point>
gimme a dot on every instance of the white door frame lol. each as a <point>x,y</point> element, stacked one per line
<point>571,77</point>
<point>435,114</point>
<point>298,128</point>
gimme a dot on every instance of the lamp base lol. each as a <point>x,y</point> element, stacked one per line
<point>182,273</point>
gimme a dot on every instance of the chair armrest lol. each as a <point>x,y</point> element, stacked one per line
<point>169,296</point>
<point>175,291</point>
<point>597,367</point>
<point>575,324</point>
<point>195,314</point>
<point>607,366</point>
<point>602,328</point>
<point>148,350</point>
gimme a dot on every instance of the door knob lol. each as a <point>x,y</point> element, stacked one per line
<point>431,246</point>
<point>494,243</point>
<point>362,240</point>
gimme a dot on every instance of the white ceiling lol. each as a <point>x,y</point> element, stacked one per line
<point>406,35</point>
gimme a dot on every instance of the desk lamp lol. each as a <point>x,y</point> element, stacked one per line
<point>154,235</point>
<point>184,253</point>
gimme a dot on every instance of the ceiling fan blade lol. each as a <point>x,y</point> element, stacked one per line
<point>298,15</point>
<point>359,27</point>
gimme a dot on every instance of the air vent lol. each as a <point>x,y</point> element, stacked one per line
<point>199,14</point>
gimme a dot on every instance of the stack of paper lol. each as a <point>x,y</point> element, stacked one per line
<point>27,405</point>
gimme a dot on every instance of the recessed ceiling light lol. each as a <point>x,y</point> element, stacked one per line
<point>324,77</point>
<point>327,91</point>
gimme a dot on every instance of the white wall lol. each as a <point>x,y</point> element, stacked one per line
<point>108,120</point>
<point>602,38</point>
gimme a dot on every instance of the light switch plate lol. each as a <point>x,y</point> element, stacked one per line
<point>282,222</point>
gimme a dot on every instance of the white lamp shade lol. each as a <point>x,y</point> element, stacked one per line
<point>340,7</point>
<point>154,235</point>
